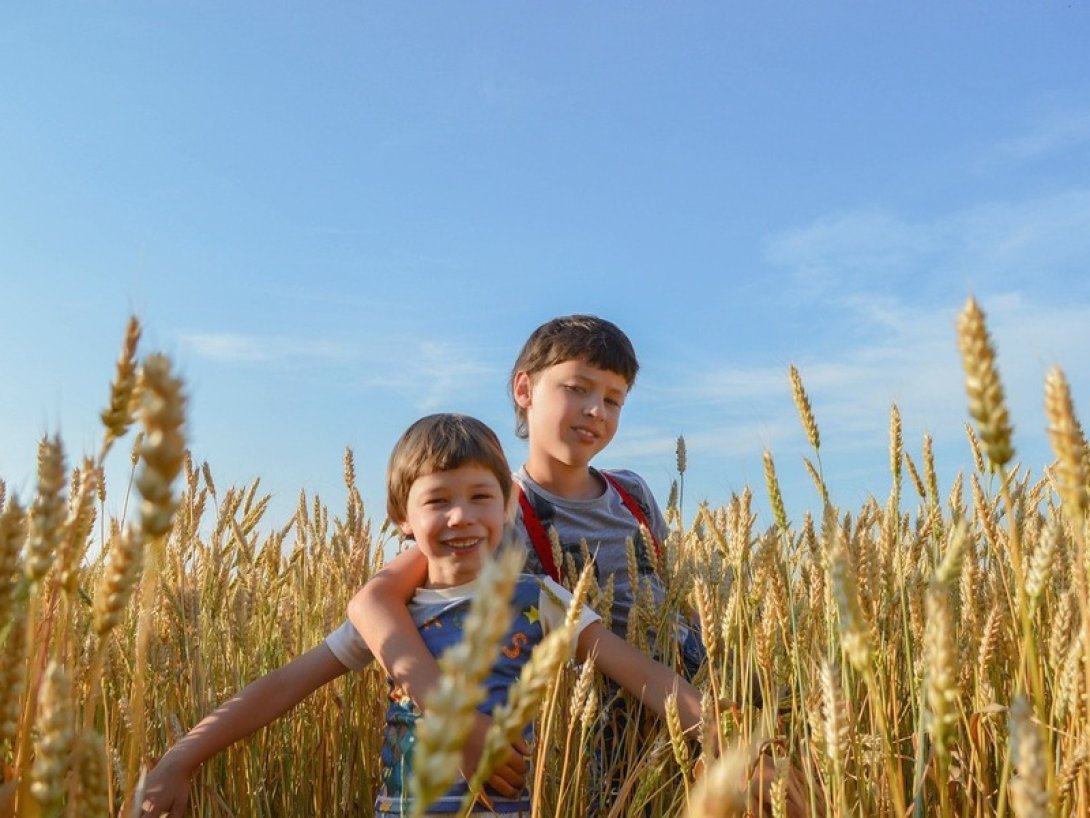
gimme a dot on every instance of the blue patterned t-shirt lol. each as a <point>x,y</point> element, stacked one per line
<point>539,605</point>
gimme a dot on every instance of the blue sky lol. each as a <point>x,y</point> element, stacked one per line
<point>338,217</point>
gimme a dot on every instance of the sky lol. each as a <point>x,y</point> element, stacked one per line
<point>338,217</point>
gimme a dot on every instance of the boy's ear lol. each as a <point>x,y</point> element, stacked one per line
<point>523,386</point>
<point>405,529</point>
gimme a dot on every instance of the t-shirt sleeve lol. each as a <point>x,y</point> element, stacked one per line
<point>553,604</point>
<point>348,646</point>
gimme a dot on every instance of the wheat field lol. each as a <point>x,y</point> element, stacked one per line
<point>919,655</point>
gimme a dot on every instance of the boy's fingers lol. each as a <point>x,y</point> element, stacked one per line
<point>516,758</point>
<point>509,777</point>
<point>506,781</point>
<point>522,748</point>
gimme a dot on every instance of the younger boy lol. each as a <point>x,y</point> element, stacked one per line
<point>448,488</point>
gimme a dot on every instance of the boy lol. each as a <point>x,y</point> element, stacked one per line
<point>568,386</point>
<point>448,488</point>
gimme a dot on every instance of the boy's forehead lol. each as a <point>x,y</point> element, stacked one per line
<point>469,472</point>
<point>582,368</point>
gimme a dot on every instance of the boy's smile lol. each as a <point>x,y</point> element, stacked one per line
<point>456,517</point>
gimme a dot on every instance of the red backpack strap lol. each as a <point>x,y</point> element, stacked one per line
<point>637,512</point>
<point>538,536</point>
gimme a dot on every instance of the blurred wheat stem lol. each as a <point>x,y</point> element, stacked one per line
<point>54,740</point>
<point>449,708</point>
<point>121,576</point>
<point>162,412</point>
<point>524,699</point>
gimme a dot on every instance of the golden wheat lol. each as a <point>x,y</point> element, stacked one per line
<point>886,648</point>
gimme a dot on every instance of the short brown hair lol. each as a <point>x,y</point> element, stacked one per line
<point>440,443</point>
<point>587,338</point>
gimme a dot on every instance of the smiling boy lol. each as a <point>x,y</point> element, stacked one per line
<point>449,487</point>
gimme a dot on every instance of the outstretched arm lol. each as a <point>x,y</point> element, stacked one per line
<point>639,674</point>
<point>166,789</point>
<point>379,612</point>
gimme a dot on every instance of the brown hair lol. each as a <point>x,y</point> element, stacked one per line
<point>587,338</point>
<point>440,443</point>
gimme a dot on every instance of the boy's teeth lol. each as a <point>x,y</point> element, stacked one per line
<point>461,544</point>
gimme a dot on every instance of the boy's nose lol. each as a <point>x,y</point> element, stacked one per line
<point>458,514</point>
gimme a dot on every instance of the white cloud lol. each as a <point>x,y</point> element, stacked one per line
<point>1055,132</point>
<point>428,374</point>
<point>432,374</point>
<point>854,247</point>
<point>909,356</point>
<point>1044,239</point>
<point>228,347</point>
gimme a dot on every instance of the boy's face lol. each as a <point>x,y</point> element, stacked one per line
<point>572,409</point>
<point>456,518</point>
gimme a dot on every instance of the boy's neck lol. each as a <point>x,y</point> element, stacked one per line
<point>563,480</point>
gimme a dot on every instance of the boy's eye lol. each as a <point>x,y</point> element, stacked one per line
<point>483,496</point>
<point>574,387</point>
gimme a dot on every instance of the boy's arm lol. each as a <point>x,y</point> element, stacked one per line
<point>166,789</point>
<point>379,612</point>
<point>639,674</point>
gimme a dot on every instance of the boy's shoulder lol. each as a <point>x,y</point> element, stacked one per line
<point>634,484</point>
<point>629,479</point>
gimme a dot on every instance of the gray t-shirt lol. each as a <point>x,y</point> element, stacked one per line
<point>605,522</point>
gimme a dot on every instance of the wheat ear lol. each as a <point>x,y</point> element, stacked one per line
<point>806,411</point>
<point>986,401</point>
<point>46,525</point>
<point>1067,443</point>
<point>1029,793</point>
<point>12,538</point>
<point>118,415</point>
<point>54,743</point>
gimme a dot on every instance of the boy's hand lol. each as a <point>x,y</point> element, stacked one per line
<point>166,792</point>
<point>508,778</point>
